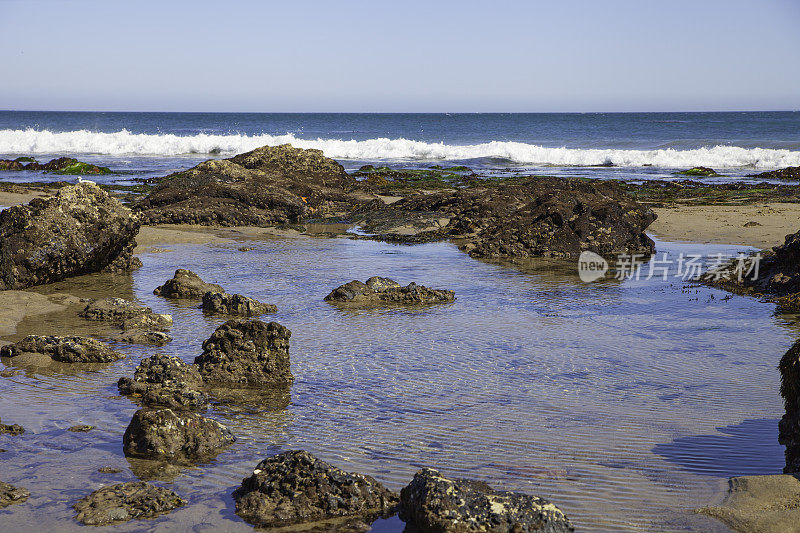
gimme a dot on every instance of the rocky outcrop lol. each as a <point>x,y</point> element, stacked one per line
<point>435,504</point>
<point>126,314</point>
<point>379,290</point>
<point>703,172</point>
<point>246,353</point>
<point>235,304</point>
<point>64,349</point>
<point>297,488</point>
<point>174,435</point>
<point>185,284</point>
<point>789,426</point>
<point>788,173</point>
<point>78,231</point>
<point>163,381</point>
<point>135,500</point>
<point>62,165</point>
<point>9,494</point>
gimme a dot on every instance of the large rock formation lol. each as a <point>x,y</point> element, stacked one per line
<point>176,436</point>
<point>62,165</point>
<point>246,353</point>
<point>789,426</point>
<point>163,381</point>
<point>9,494</point>
<point>435,504</point>
<point>185,284</point>
<point>235,304</point>
<point>78,231</point>
<point>135,500</point>
<point>379,290</point>
<point>297,488</point>
<point>64,349</point>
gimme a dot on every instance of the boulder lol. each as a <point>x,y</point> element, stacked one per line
<point>789,426</point>
<point>126,314</point>
<point>379,290</point>
<point>64,349</point>
<point>185,284</point>
<point>78,231</point>
<point>9,494</point>
<point>177,436</point>
<point>134,500</point>
<point>297,488</point>
<point>235,304</point>
<point>246,353</point>
<point>163,381</point>
<point>433,503</point>
<point>703,172</point>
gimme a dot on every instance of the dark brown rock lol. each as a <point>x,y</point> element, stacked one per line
<point>9,494</point>
<point>83,428</point>
<point>435,504</point>
<point>163,381</point>
<point>246,353</point>
<point>297,488</point>
<point>185,284</point>
<point>235,304</point>
<point>177,436</point>
<point>64,349</point>
<point>126,501</point>
<point>11,429</point>
<point>788,173</point>
<point>379,290</point>
<point>789,426</point>
<point>78,231</point>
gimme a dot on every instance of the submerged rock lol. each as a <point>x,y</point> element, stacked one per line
<point>433,503</point>
<point>78,231</point>
<point>177,436</point>
<point>126,314</point>
<point>155,338</point>
<point>11,429</point>
<point>126,501</point>
<point>186,284</point>
<point>246,353</point>
<point>235,304</point>
<point>297,488</point>
<point>163,381</point>
<point>9,494</point>
<point>82,428</point>
<point>379,290</point>
<point>64,349</point>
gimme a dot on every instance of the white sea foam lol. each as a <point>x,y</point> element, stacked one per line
<point>32,141</point>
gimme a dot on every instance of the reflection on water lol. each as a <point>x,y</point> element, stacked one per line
<point>604,398</point>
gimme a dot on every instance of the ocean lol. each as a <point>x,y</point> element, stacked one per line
<point>630,146</point>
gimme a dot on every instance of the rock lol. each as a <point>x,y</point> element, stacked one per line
<point>235,304</point>
<point>78,231</point>
<point>789,426</point>
<point>379,290</point>
<point>64,349</point>
<point>13,429</point>
<point>163,381</point>
<point>109,470</point>
<point>788,173</point>
<point>297,488</point>
<point>177,436</point>
<point>135,500</point>
<point>62,165</point>
<point>699,171</point>
<point>246,353</point>
<point>83,428</point>
<point>155,338</point>
<point>9,494</point>
<point>186,284</point>
<point>126,314</point>
<point>433,503</point>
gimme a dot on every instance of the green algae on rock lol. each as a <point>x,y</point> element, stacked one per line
<point>704,172</point>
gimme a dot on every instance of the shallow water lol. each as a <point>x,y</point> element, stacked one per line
<point>625,403</point>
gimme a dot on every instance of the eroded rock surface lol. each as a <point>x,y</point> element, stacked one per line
<point>185,284</point>
<point>163,381</point>
<point>235,304</point>
<point>246,353</point>
<point>78,231</point>
<point>789,426</point>
<point>9,494</point>
<point>126,314</point>
<point>295,487</point>
<point>433,503</point>
<point>379,290</point>
<point>174,435</point>
<point>64,349</point>
<point>126,501</point>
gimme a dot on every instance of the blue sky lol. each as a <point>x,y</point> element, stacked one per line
<point>567,55</point>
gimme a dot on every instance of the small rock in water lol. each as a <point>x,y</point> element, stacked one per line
<point>235,304</point>
<point>182,436</point>
<point>432,502</point>
<point>126,314</point>
<point>9,494</point>
<point>8,373</point>
<point>246,248</point>
<point>297,488</point>
<point>135,500</point>
<point>13,429</point>
<point>64,349</point>
<point>185,284</point>
<point>163,381</point>
<point>154,338</point>
<point>378,290</point>
<point>81,428</point>
<point>109,470</point>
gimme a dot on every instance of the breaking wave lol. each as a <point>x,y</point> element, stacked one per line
<point>123,142</point>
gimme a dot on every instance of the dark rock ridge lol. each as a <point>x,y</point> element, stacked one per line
<point>435,504</point>
<point>235,304</point>
<point>78,231</point>
<point>789,426</point>
<point>788,173</point>
<point>64,349</point>
<point>163,381</point>
<point>246,353</point>
<point>62,165</point>
<point>379,290</point>
<point>176,436</point>
<point>135,500</point>
<point>295,487</point>
<point>186,284</point>
<point>9,494</point>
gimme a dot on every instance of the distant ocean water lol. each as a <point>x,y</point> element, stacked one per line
<point>624,145</point>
